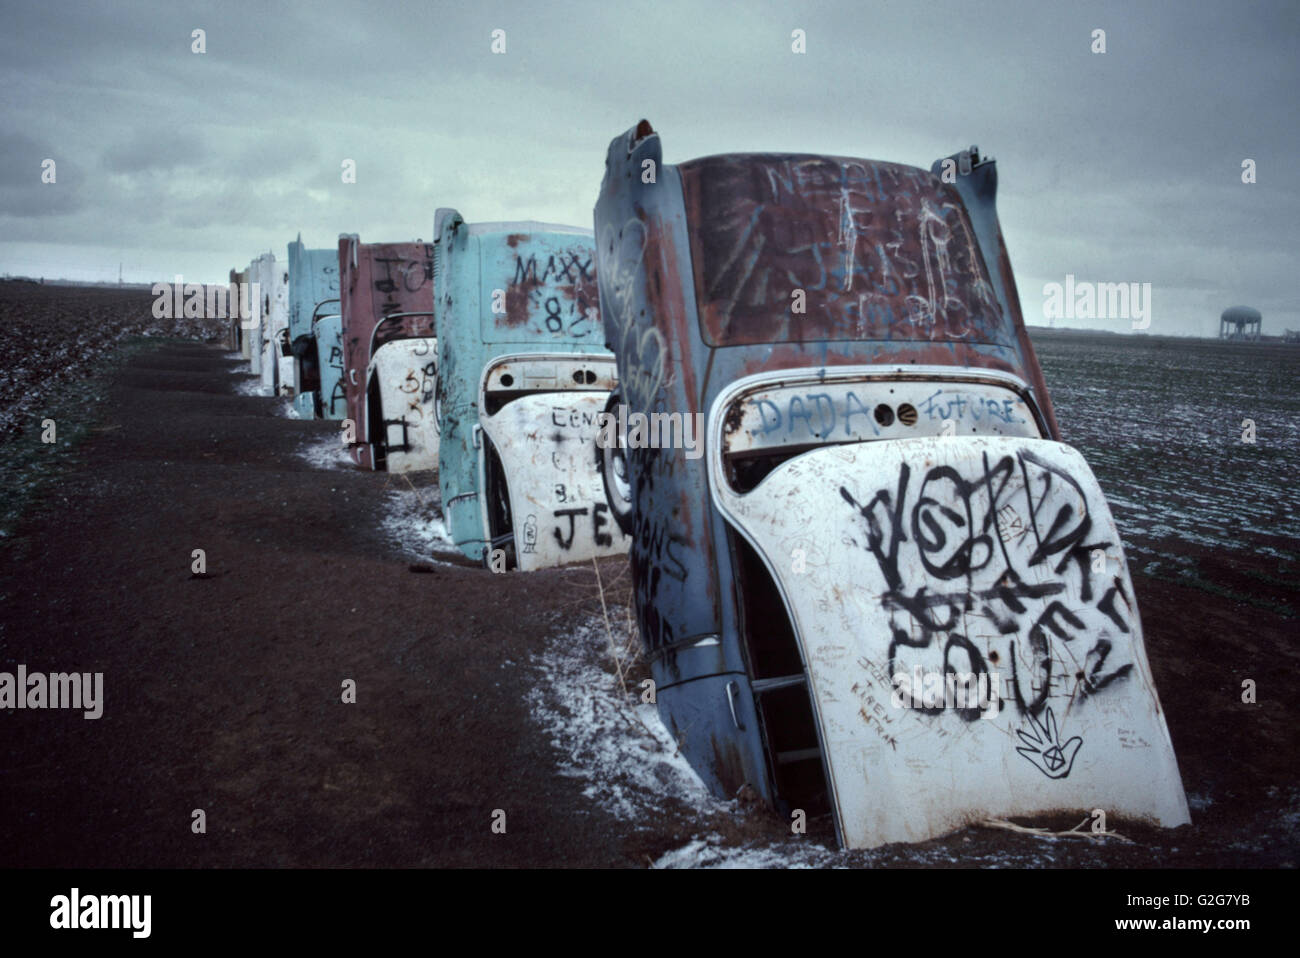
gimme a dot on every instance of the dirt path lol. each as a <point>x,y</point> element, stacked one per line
<point>223,693</point>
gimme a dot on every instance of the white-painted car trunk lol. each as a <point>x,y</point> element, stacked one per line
<point>253,329</point>
<point>967,554</point>
<point>546,442</point>
<point>406,373</point>
<point>274,323</point>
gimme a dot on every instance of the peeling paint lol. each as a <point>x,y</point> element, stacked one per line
<point>847,318</point>
<point>313,292</point>
<point>523,372</point>
<point>377,280</point>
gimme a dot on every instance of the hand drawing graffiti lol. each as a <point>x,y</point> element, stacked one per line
<point>1044,748</point>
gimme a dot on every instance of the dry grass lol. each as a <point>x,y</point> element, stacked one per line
<point>1078,831</point>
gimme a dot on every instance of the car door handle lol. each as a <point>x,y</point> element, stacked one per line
<point>733,690</point>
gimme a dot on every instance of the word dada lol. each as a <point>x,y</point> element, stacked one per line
<point>182,300</point>
<point>658,430</point>
<point>58,690</point>
<point>102,911</point>
<point>1098,301</point>
<point>948,690</point>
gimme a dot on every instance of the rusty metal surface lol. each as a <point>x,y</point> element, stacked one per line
<point>397,326</point>
<point>701,266</point>
<point>375,280</point>
<point>528,291</point>
<point>256,316</point>
<point>238,340</point>
<point>880,251</point>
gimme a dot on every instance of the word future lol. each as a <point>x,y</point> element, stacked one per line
<point>102,911</point>
<point>58,690</point>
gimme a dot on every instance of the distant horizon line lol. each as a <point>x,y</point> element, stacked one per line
<point>1038,327</point>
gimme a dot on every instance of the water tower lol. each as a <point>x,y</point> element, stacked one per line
<point>1240,322</point>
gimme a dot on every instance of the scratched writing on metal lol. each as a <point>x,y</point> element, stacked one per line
<point>640,348</point>
<point>881,251</point>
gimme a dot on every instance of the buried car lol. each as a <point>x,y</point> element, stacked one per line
<point>268,325</point>
<point>327,334</point>
<point>389,287</point>
<point>886,591</point>
<point>234,315</point>
<point>242,300</point>
<point>523,377</point>
<point>313,292</point>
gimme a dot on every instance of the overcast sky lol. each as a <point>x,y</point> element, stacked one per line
<point>1116,167</point>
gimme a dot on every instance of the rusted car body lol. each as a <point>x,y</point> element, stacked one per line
<point>387,298</point>
<point>270,359</point>
<point>258,308</point>
<point>313,292</point>
<point>327,333</point>
<point>523,376</point>
<point>234,319</point>
<point>883,522</point>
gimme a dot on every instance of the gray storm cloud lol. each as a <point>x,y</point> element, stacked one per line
<point>1115,167</point>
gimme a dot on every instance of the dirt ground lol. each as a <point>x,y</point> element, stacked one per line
<point>223,691</point>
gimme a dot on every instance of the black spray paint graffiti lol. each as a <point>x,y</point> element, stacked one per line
<point>1044,748</point>
<point>559,292</point>
<point>569,267</point>
<point>390,445</point>
<point>599,521</point>
<point>420,385</point>
<point>338,395</point>
<point>659,552</point>
<point>989,560</point>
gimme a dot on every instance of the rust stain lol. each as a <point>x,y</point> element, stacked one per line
<point>727,764</point>
<point>803,356</point>
<point>388,278</point>
<point>518,297</point>
<point>802,248</point>
<point>735,414</point>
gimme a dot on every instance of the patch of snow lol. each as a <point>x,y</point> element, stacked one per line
<point>251,387</point>
<point>609,738</point>
<point>414,522</point>
<point>709,852</point>
<point>325,452</point>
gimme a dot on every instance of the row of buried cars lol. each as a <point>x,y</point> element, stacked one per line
<point>871,581</point>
